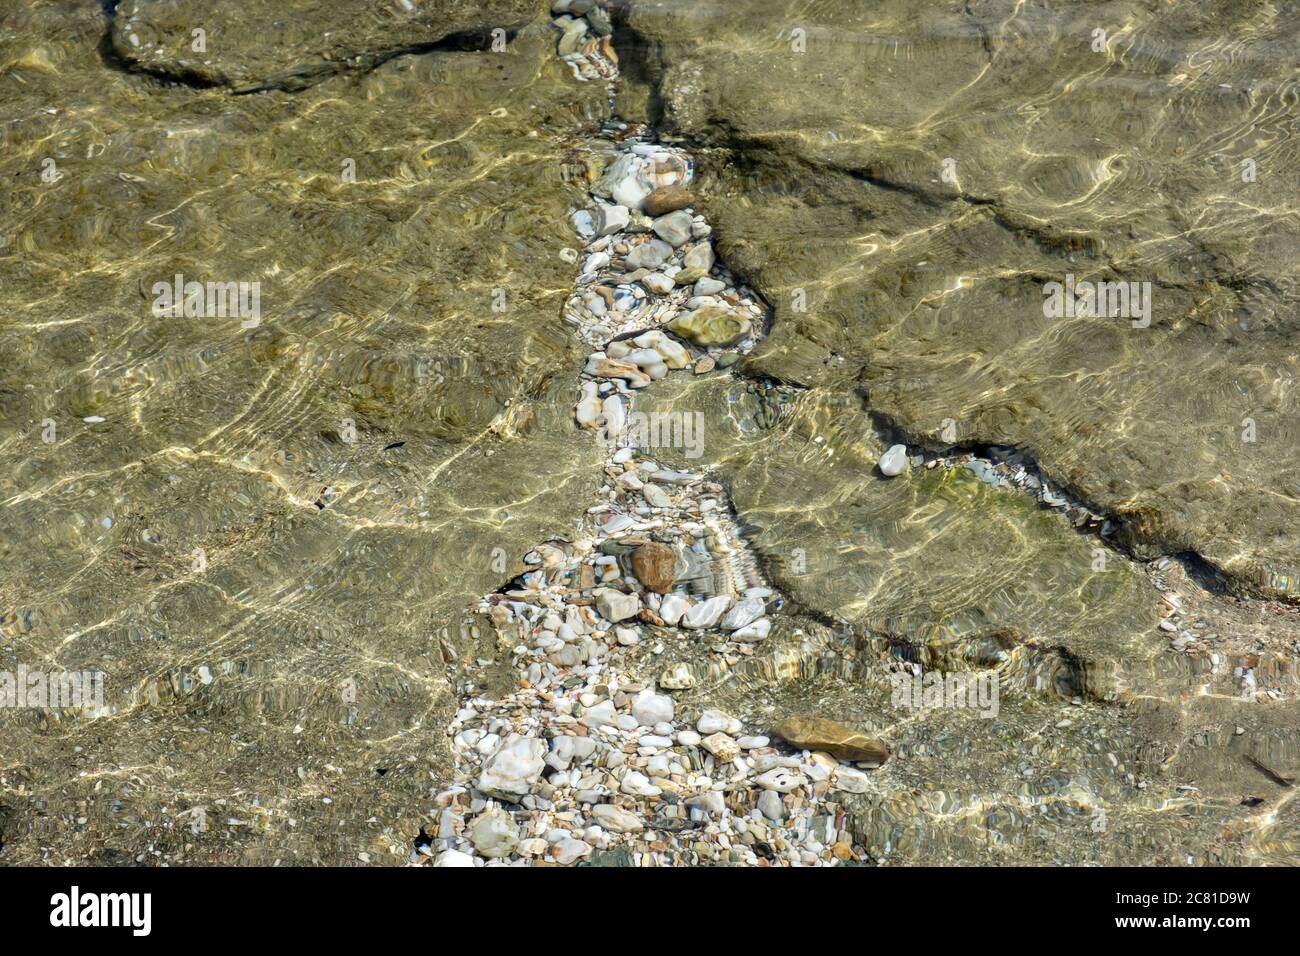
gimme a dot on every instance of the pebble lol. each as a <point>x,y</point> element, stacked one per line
<point>678,677</point>
<point>574,32</point>
<point>832,737</point>
<point>613,819</point>
<point>656,496</point>
<point>721,746</point>
<point>710,802</point>
<point>666,199</point>
<point>780,779</point>
<point>599,715</point>
<point>713,721</point>
<point>894,461</point>
<point>601,25</point>
<point>453,858</point>
<point>851,780</point>
<point>746,612</point>
<point>608,220</point>
<point>650,708</point>
<point>638,785</point>
<point>589,405</point>
<point>616,606</point>
<point>711,326</point>
<point>654,565</point>
<point>649,255</point>
<point>753,633</point>
<point>613,412</point>
<point>674,228</point>
<point>771,805</point>
<point>569,851</point>
<point>514,768</point>
<point>707,613</point>
<point>494,834</point>
<point>672,609</point>
<point>658,283</point>
<point>699,257</point>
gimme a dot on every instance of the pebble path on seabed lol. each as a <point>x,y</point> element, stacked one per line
<point>582,762</point>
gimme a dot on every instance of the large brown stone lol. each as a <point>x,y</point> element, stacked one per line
<point>667,199</point>
<point>817,733</point>
<point>654,565</point>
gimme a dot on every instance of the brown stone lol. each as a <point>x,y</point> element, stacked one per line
<point>817,733</point>
<point>614,368</point>
<point>666,199</point>
<point>654,565</point>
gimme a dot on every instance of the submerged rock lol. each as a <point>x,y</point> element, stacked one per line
<point>654,565</point>
<point>616,606</point>
<point>649,255</point>
<point>615,819</point>
<point>608,220</point>
<point>674,228</point>
<point>707,613</point>
<point>290,44</point>
<point>711,325</point>
<point>512,771</point>
<point>743,614</point>
<point>836,739</point>
<point>894,461</point>
<point>678,677</point>
<point>494,834</point>
<point>666,199</point>
<point>1012,365</point>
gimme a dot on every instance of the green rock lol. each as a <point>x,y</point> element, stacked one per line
<point>621,856</point>
<point>710,325</point>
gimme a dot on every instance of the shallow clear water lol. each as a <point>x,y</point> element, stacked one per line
<point>266,536</point>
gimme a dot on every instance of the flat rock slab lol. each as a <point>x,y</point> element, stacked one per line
<point>292,43</point>
<point>905,220</point>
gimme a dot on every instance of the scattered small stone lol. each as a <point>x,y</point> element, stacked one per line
<point>627,782</point>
